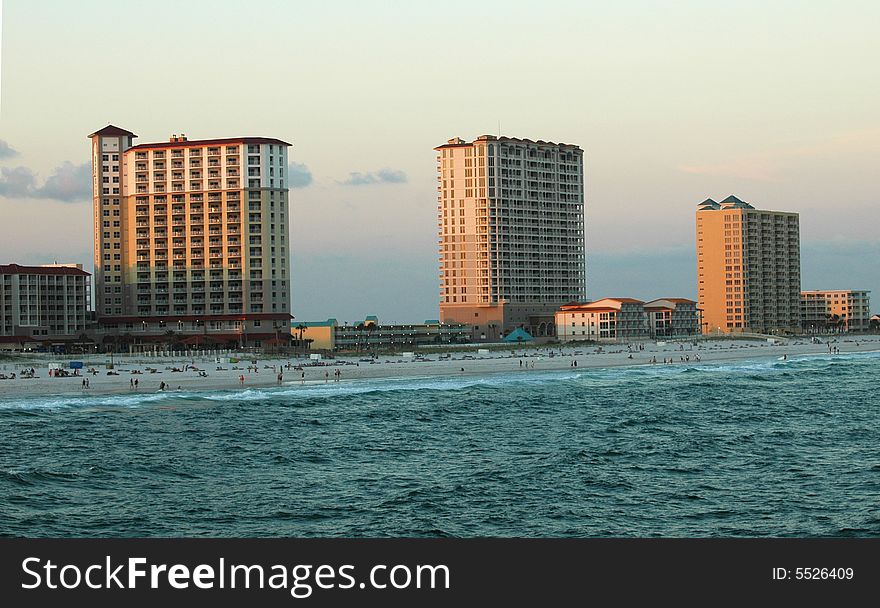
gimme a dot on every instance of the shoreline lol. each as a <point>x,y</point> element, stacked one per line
<point>456,363</point>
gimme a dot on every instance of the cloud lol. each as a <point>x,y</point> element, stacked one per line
<point>17,182</point>
<point>67,183</point>
<point>382,176</point>
<point>299,175</point>
<point>6,151</point>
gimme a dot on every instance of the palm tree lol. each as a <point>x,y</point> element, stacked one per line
<point>370,329</point>
<point>301,327</point>
<point>833,321</point>
<point>357,343</point>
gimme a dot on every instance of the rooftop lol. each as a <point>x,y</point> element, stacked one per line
<point>48,270</point>
<point>194,143</point>
<point>456,142</point>
<point>112,131</point>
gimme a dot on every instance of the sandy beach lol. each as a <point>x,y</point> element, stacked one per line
<point>207,374</point>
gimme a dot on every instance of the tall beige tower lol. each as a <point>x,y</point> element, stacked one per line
<point>191,235</point>
<point>748,268</point>
<point>510,216</point>
<point>110,215</point>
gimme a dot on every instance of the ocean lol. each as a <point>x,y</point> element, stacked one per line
<point>746,448</point>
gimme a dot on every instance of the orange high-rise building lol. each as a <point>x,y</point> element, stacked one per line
<point>748,268</point>
<point>191,236</point>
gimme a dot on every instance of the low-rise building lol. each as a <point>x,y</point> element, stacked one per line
<point>834,311</point>
<point>672,318</point>
<point>624,319</point>
<point>369,334</point>
<point>605,320</point>
<point>43,302</point>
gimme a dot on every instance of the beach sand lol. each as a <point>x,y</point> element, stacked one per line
<point>353,368</point>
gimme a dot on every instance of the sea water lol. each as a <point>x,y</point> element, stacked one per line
<point>747,448</point>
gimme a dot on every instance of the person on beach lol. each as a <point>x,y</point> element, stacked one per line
<point>135,383</point>
<point>241,380</point>
<point>303,378</point>
<point>130,383</point>
<point>280,377</point>
<point>326,377</point>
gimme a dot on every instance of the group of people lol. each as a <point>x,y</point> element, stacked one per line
<point>59,373</point>
<point>337,374</point>
<point>671,360</point>
<point>85,383</point>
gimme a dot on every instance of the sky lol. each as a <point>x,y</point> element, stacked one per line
<point>776,102</point>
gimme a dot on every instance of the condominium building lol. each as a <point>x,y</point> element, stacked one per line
<point>369,334</point>
<point>838,310</point>
<point>672,318</point>
<point>605,320</point>
<point>44,302</point>
<point>621,319</point>
<point>510,217</point>
<point>191,235</point>
<point>748,268</point>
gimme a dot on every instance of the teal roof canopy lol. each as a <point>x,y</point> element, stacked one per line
<point>518,335</point>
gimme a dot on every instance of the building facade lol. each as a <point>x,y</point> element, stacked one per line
<point>370,334</point>
<point>510,219</point>
<point>748,268</point>
<point>833,311</point>
<point>191,236</point>
<point>605,320</point>
<point>44,302</point>
<point>672,318</point>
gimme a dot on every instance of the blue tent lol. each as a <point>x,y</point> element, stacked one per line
<point>518,335</point>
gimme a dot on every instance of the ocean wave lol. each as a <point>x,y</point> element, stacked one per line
<point>292,392</point>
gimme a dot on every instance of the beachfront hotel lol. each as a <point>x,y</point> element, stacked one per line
<point>626,319</point>
<point>191,237</point>
<point>748,268</point>
<point>510,223</point>
<point>43,303</point>
<point>840,310</point>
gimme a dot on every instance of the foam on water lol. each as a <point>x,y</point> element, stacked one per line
<point>293,391</point>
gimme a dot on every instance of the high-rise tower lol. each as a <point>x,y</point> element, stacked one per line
<point>191,235</point>
<point>510,218</point>
<point>748,268</point>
